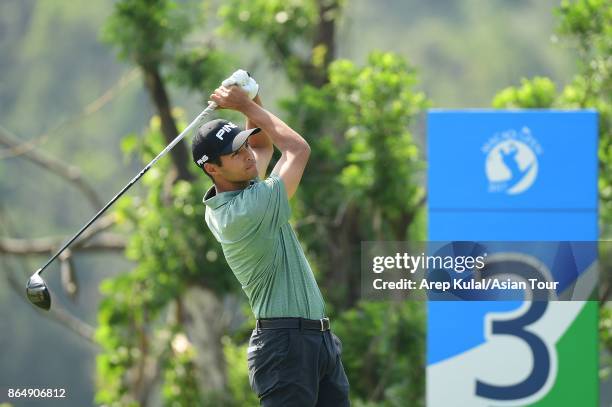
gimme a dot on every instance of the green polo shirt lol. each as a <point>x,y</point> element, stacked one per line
<point>263,251</point>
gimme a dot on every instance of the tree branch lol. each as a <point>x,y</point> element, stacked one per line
<point>90,109</point>
<point>58,314</point>
<point>44,245</point>
<point>103,242</point>
<point>68,172</point>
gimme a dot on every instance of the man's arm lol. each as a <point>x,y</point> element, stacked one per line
<point>294,149</point>
<point>261,144</point>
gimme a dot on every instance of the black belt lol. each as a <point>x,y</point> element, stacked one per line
<point>294,323</point>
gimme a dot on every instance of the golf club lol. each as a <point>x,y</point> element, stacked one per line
<point>36,288</point>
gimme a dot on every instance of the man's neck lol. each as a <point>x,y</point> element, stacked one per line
<point>226,186</point>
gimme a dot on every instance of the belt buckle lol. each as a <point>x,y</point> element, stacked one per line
<point>322,321</point>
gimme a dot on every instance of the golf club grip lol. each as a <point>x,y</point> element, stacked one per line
<point>211,107</point>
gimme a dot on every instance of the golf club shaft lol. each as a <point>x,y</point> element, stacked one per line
<point>211,107</point>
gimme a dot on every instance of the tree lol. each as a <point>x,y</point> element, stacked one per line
<point>161,323</point>
<point>299,36</point>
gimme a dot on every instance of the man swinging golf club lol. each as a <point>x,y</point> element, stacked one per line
<point>293,358</point>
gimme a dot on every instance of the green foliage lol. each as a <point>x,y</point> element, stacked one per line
<point>283,27</point>
<point>116,338</point>
<point>238,375</point>
<point>379,105</point>
<point>362,182</point>
<point>180,387</point>
<point>536,93</point>
<point>144,29</point>
<point>372,107</point>
<point>587,23</point>
<point>605,338</point>
<point>274,22</point>
<point>290,32</point>
<point>200,70</point>
<point>385,363</point>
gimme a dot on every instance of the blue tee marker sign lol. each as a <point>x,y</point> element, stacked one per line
<point>508,176</point>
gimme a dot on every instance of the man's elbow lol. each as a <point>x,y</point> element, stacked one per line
<point>306,149</point>
<point>301,149</point>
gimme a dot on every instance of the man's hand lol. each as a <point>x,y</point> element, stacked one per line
<point>244,80</point>
<point>231,98</point>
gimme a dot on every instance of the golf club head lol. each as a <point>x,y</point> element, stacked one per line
<point>37,292</point>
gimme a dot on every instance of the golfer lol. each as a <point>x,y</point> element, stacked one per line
<point>293,358</point>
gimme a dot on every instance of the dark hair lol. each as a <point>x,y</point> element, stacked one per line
<point>216,161</point>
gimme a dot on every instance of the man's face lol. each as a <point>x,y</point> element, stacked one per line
<point>238,166</point>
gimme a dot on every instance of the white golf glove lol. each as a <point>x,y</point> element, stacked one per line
<point>244,80</point>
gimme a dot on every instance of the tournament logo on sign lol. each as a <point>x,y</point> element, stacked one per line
<point>511,163</point>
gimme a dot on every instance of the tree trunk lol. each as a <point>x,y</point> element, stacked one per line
<point>325,36</point>
<point>344,260</point>
<point>206,320</point>
<point>157,91</point>
<point>326,33</point>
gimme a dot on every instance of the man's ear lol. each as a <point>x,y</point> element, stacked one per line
<point>211,168</point>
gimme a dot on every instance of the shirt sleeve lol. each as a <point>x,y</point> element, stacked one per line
<point>267,204</point>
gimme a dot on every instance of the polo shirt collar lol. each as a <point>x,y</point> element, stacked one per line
<point>215,200</point>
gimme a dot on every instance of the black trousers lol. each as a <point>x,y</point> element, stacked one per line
<point>297,367</point>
